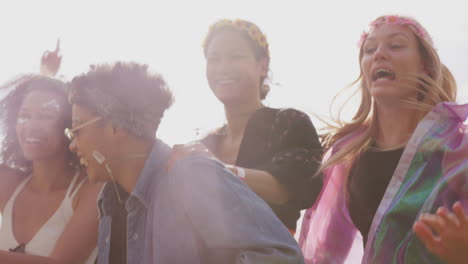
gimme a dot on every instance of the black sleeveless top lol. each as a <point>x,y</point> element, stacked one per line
<point>284,143</point>
<point>367,184</point>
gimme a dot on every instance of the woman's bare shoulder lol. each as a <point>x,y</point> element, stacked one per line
<point>10,176</point>
<point>9,180</point>
<point>87,190</point>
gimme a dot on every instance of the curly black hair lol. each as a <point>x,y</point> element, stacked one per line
<point>125,93</point>
<point>17,89</point>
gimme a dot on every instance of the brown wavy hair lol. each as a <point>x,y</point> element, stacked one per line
<point>435,86</point>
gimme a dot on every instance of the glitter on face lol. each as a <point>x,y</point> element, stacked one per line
<point>52,105</point>
<point>22,120</point>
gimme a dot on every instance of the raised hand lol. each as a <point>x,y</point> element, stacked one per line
<point>183,150</point>
<point>445,233</point>
<point>50,61</point>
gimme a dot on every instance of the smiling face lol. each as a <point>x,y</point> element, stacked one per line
<point>390,55</point>
<point>233,72</point>
<point>90,143</point>
<point>40,125</point>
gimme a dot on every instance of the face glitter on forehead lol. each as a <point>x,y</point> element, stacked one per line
<point>22,120</point>
<point>52,105</point>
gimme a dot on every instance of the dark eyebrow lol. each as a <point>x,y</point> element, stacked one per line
<point>390,36</point>
<point>398,34</point>
<point>235,50</point>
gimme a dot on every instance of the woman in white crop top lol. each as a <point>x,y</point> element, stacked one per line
<point>48,208</point>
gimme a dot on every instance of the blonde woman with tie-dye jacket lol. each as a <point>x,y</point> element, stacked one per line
<point>396,176</point>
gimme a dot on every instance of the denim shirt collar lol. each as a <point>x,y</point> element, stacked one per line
<point>155,164</point>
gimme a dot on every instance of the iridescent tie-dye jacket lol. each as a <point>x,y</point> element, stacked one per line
<point>432,172</point>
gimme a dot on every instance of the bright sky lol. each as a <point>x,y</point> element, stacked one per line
<point>312,43</point>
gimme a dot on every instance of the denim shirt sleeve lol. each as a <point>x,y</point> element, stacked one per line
<point>231,221</point>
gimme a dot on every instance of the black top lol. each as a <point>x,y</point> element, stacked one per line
<point>284,143</point>
<point>367,184</point>
<point>118,240</point>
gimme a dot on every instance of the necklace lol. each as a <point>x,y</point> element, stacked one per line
<point>114,183</point>
<point>117,192</point>
<point>375,148</point>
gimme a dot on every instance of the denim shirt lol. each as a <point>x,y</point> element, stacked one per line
<point>198,212</point>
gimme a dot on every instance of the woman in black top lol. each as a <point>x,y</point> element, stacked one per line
<point>275,151</point>
<point>381,177</point>
<point>374,169</point>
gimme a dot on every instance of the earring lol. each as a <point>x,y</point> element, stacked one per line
<point>264,89</point>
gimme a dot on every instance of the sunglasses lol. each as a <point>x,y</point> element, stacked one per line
<point>71,132</point>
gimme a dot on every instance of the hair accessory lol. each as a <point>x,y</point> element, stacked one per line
<point>253,31</point>
<point>397,20</point>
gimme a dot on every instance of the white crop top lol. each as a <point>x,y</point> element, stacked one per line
<point>43,242</point>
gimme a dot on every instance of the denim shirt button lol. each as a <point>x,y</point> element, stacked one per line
<point>135,236</point>
<point>107,240</point>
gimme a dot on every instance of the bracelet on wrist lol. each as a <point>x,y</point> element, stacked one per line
<point>241,172</point>
<point>238,171</point>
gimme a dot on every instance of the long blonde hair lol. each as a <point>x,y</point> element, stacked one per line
<point>436,85</point>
